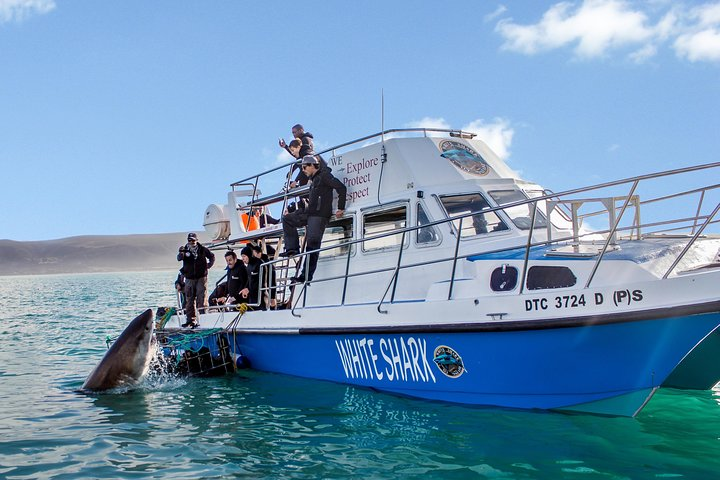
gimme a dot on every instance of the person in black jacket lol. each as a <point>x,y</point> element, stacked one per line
<point>315,216</point>
<point>196,259</point>
<point>237,279</point>
<point>268,293</point>
<point>306,141</point>
<point>253,269</point>
<point>299,148</point>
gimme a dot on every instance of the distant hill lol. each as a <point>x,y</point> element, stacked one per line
<point>92,253</point>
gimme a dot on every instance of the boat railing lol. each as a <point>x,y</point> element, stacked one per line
<point>697,224</point>
<point>379,135</point>
<point>286,193</point>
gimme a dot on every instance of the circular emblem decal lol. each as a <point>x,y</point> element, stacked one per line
<point>464,157</point>
<point>448,361</point>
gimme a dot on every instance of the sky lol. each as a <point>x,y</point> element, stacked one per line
<point>127,117</point>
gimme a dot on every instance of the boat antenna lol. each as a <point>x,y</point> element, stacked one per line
<point>382,114</point>
<point>383,155</point>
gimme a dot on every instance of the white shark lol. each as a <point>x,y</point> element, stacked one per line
<point>128,358</point>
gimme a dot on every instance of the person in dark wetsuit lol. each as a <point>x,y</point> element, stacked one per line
<point>315,216</point>
<point>299,148</point>
<point>252,264</point>
<point>268,274</point>
<point>237,280</point>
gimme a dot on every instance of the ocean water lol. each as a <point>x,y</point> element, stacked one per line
<point>259,425</point>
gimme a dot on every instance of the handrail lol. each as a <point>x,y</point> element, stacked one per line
<point>557,197</point>
<point>611,235</point>
<point>692,241</point>
<point>528,246</point>
<point>450,132</point>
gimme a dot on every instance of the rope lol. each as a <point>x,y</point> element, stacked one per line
<point>184,340</point>
<point>169,312</point>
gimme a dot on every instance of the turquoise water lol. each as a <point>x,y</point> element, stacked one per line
<point>257,425</point>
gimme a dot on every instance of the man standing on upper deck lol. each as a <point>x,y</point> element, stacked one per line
<point>197,259</point>
<point>315,216</point>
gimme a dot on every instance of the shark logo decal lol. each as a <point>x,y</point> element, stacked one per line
<point>464,157</point>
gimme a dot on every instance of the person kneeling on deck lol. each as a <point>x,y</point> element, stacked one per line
<point>196,259</point>
<point>315,216</point>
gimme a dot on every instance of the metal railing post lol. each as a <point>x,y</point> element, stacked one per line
<point>697,212</point>
<point>397,267</point>
<point>347,272</point>
<point>527,248</point>
<point>611,234</point>
<point>692,240</point>
<point>454,265</point>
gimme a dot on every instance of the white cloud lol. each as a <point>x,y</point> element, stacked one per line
<point>498,134</point>
<point>597,28</point>
<point>429,122</point>
<point>492,16</point>
<point>18,10</point>
<point>700,46</point>
<point>701,39</point>
<point>642,54</point>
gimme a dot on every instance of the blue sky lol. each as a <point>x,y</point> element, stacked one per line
<point>121,117</point>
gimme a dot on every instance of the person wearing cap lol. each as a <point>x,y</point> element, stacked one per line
<point>197,259</point>
<point>315,216</point>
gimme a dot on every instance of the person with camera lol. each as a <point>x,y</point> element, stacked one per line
<point>197,259</point>
<point>315,216</point>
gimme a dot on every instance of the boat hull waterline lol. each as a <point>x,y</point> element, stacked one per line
<point>606,369</point>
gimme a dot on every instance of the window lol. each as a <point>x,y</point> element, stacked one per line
<point>426,235</point>
<point>338,233</point>
<point>560,216</point>
<point>478,224</point>
<point>539,278</point>
<point>384,221</point>
<point>503,279</point>
<point>520,215</point>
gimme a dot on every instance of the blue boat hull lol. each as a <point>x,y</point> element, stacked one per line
<point>608,368</point>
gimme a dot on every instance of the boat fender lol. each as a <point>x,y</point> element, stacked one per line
<point>241,361</point>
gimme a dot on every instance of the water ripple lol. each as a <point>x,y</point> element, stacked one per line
<point>272,426</point>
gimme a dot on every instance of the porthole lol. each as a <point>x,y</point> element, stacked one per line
<point>503,279</point>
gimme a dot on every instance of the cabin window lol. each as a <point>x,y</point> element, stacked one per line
<point>521,215</point>
<point>426,235</point>
<point>560,217</point>
<point>478,224</point>
<point>540,277</point>
<point>337,234</point>
<point>503,279</point>
<point>384,221</point>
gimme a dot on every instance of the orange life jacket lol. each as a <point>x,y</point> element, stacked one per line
<point>249,223</point>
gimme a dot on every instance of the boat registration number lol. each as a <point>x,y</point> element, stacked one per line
<point>619,297</point>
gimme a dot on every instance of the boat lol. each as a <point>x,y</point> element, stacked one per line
<point>451,278</point>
